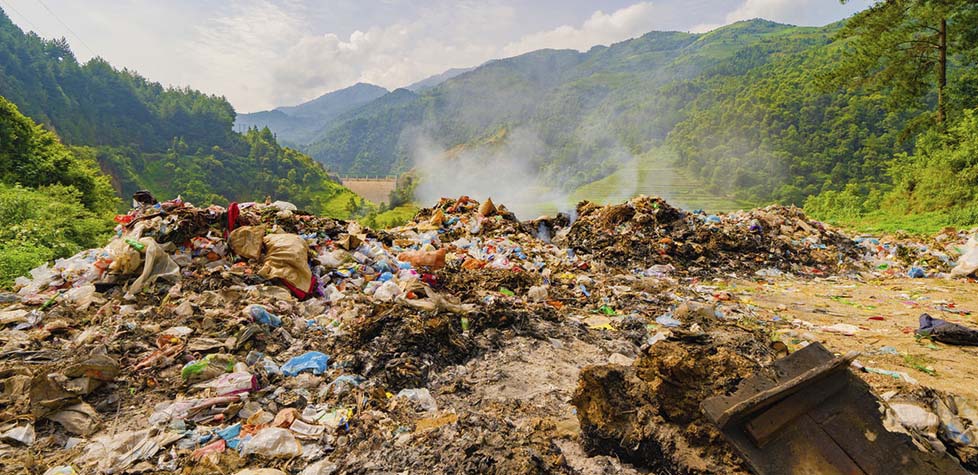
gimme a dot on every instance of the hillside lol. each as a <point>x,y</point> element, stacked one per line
<point>432,81</point>
<point>301,123</point>
<point>738,105</point>
<point>53,202</point>
<point>171,141</point>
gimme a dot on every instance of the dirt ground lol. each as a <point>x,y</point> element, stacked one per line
<point>887,313</point>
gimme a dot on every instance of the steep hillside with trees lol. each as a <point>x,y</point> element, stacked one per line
<point>168,140</point>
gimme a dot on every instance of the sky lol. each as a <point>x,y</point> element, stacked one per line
<point>261,54</point>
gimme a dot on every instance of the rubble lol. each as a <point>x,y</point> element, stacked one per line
<point>261,339</point>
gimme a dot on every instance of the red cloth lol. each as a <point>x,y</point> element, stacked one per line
<point>233,213</point>
<point>299,293</point>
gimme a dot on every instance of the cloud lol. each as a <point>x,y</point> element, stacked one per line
<point>795,12</point>
<point>263,55</point>
<point>600,28</point>
<point>266,53</point>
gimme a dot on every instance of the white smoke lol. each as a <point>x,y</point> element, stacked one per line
<point>503,171</point>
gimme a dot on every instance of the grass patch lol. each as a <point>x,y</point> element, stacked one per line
<point>390,218</point>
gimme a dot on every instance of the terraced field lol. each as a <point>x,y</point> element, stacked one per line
<point>653,174</point>
<point>376,191</point>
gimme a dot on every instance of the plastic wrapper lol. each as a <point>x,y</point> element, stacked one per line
<point>421,397</point>
<point>41,277</point>
<point>158,266</point>
<point>124,259</point>
<point>387,291</point>
<point>272,442</point>
<point>82,296</point>
<point>313,361</point>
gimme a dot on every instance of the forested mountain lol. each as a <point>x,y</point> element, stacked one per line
<point>741,105</point>
<point>168,140</point>
<point>432,81</point>
<point>300,124</point>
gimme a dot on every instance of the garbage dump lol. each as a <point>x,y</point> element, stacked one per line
<point>260,339</point>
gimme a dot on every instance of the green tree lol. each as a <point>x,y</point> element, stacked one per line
<point>905,47</point>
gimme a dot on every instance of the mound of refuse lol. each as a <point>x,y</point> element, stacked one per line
<point>257,338</point>
<point>647,231</point>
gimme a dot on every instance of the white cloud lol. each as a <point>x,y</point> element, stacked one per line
<point>266,53</point>
<point>796,12</point>
<point>600,28</point>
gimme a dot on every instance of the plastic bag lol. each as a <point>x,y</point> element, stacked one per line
<point>968,263</point>
<point>82,296</point>
<point>312,361</point>
<point>41,277</point>
<point>430,259</point>
<point>286,259</point>
<point>334,258</point>
<point>262,315</point>
<point>538,293</point>
<point>158,266</point>
<point>231,383</point>
<point>246,241</point>
<point>272,442</point>
<point>207,368</point>
<point>125,259</point>
<point>422,397</point>
<point>387,291</point>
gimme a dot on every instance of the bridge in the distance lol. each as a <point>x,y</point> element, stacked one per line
<point>373,188</point>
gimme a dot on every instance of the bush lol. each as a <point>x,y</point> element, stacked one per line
<point>39,225</point>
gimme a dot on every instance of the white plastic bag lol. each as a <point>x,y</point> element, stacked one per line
<point>158,266</point>
<point>387,292</point>
<point>273,442</point>
<point>968,262</point>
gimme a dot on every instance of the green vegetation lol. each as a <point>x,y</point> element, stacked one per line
<point>261,168</point>
<point>390,218</point>
<point>171,141</point>
<point>912,50</point>
<point>53,202</point>
<point>34,157</point>
<point>38,225</point>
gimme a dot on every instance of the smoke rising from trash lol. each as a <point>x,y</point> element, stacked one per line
<point>503,172</point>
<point>506,172</point>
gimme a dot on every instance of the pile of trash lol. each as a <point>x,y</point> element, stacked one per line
<point>948,253</point>
<point>647,232</point>
<point>260,337</point>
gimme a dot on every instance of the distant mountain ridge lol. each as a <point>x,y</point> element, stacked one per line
<point>299,124</point>
<point>432,81</point>
<point>739,105</point>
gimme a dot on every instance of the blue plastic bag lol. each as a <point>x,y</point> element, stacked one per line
<point>312,361</point>
<point>261,315</point>
<point>230,435</point>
